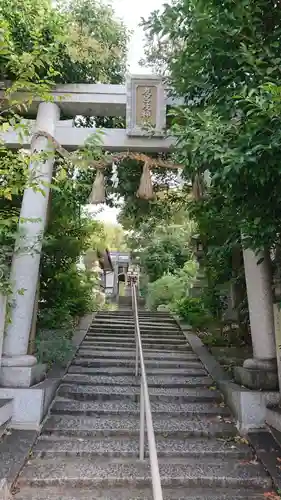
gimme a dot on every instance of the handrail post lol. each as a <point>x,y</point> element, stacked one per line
<point>137,356</point>
<point>145,408</point>
<point>135,313</point>
<point>142,421</point>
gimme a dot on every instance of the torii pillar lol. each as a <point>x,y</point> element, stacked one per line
<point>18,369</point>
<point>259,372</point>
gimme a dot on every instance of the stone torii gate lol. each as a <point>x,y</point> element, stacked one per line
<point>143,97</point>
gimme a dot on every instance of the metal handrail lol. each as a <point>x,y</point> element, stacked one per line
<point>145,408</point>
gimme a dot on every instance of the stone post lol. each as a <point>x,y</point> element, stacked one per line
<point>260,372</point>
<point>18,368</point>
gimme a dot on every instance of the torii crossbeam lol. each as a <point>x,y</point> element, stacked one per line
<point>144,98</point>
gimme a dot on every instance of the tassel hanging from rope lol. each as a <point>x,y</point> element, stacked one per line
<point>145,191</point>
<point>98,190</point>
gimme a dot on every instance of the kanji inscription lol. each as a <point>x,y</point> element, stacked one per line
<point>146,106</point>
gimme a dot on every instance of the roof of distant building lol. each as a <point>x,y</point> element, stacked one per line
<point>120,256</point>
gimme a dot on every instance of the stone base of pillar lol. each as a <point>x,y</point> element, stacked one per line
<point>256,378</point>
<point>261,364</point>
<point>21,371</point>
<point>30,404</point>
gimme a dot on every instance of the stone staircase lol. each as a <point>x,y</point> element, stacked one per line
<point>88,448</point>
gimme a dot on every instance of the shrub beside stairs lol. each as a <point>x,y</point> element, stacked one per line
<point>88,448</point>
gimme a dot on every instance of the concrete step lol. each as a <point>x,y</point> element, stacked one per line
<point>54,446</point>
<point>129,324</point>
<point>156,381</point>
<point>144,320</point>
<point>132,350</point>
<point>89,352</point>
<point>125,324</point>
<point>125,393</point>
<point>113,370</point>
<point>146,347</point>
<point>131,344</point>
<point>129,327</point>
<point>121,370</point>
<point>100,473</point>
<point>126,327</point>
<point>155,315</point>
<point>131,334</point>
<point>131,340</point>
<point>111,334</point>
<point>131,363</point>
<point>115,315</point>
<point>130,320</point>
<point>52,493</point>
<point>92,408</point>
<point>142,312</point>
<point>121,347</point>
<point>112,337</point>
<point>100,344</point>
<point>113,425</point>
<point>180,372</point>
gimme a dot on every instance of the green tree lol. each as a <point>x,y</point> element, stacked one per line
<point>221,57</point>
<point>38,47</point>
<point>69,42</point>
<point>103,35</point>
<point>69,234</point>
<point>170,289</point>
<point>115,237</point>
<point>14,166</point>
<point>165,251</point>
<point>224,59</point>
<point>42,43</point>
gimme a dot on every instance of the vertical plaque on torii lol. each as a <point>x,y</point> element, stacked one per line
<point>146,106</point>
